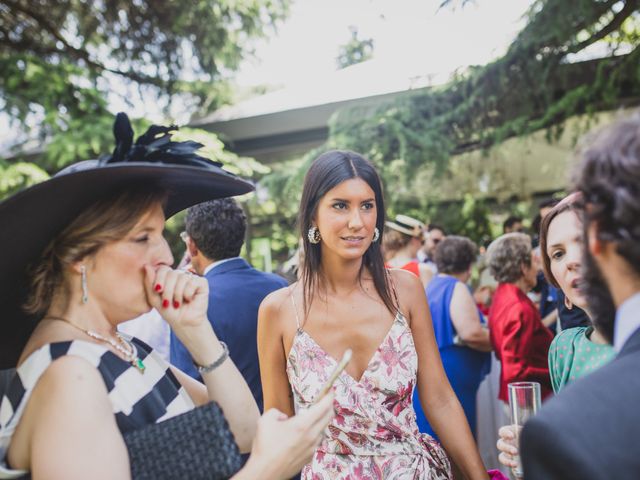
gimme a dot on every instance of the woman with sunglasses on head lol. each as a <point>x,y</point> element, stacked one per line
<point>577,351</point>
<point>93,235</point>
<point>347,299</point>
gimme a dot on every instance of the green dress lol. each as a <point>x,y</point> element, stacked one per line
<point>572,355</point>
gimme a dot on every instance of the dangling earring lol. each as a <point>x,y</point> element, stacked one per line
<point>568,303</point>
<point>314,235</point>
<point>376,234</point>
<point>83,284</point>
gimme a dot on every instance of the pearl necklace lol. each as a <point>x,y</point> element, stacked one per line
<point>125,347</point>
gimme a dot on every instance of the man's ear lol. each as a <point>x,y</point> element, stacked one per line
<point>192,248</point>
<point>594,243</point>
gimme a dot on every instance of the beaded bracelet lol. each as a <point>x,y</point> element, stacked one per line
<point>216,363</point>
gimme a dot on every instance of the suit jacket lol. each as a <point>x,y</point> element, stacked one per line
<point>236,290</point>
<point>520,340</point>
<point>590,431</point>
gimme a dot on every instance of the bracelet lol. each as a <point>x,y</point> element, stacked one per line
<point>216,363</point>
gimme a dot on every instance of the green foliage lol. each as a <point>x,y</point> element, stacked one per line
<point>60,60</point>
<point>537,84</point>
<point>356,50</point>
<point>213,149</point>
<point>469,217</point>
<point>548,75</point>
<point>14,177</point>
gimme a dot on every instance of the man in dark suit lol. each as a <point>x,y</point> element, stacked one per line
<point>215,233</point>
<point>591,429</point>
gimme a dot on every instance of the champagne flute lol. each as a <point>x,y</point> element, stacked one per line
<point>524,403</point>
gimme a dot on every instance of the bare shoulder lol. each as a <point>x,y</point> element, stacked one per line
<point>406,283</point>
<point>69,401</point>
<point>461,290</point>
<point>409,290</point>
<point>277,309</point>
<point>277,301</point>
<point>72,376</point>
<point>69,387</point>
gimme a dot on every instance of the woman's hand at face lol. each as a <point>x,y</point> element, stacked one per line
<point>180,297</point>
<point>507,446</point>
<point>282,445</point>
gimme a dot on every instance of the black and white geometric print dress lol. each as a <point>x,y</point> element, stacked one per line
<point>137,399</point>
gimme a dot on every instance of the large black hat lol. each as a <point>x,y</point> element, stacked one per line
<point>30,219</point>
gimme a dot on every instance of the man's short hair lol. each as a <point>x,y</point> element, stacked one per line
<point>435,226</point>
<point>608,176</point>
<point>217,228</point>
<point>510,222</point>
<point>455,254</point>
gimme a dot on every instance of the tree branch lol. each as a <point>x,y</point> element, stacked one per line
<point>629,7</point>
<point>79,54</point>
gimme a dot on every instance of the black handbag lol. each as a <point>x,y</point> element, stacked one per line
<point>194,445</point>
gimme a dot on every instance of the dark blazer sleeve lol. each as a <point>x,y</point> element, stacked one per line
<point>548,454</point>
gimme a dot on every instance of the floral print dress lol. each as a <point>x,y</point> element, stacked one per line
<point>374,434</point>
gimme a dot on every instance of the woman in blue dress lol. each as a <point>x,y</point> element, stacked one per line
<point>462,339</point>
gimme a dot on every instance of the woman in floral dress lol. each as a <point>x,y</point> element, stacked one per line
<point>345,299</point>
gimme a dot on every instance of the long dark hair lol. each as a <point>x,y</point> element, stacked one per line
<point>326,172</point>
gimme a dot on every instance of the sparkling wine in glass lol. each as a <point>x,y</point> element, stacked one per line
<point>524,403</point>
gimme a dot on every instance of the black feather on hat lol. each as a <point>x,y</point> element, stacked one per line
<point>30,219</point>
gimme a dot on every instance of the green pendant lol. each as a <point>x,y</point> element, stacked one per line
<point>139,365</point>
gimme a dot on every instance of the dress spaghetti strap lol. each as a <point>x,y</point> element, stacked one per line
<point>295,310</point>
<point>393,290</point>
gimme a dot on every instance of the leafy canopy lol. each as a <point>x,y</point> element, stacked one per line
<point>356,50</point>
<point>63,63</point>
<point>573,57</point>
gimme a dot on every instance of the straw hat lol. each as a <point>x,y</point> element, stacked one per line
<point>407,225</point>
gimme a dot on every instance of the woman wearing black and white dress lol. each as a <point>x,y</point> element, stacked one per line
<point>92,236</point>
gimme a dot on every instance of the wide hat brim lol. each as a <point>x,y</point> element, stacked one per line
<point>31,218</point>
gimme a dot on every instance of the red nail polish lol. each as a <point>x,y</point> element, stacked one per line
<point>176,304</point>
<point>165,303</point>
<point>158,287</point>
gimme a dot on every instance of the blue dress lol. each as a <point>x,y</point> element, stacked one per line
<point>464,366</point>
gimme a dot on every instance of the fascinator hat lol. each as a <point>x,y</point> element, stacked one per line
<point>407,225</point>
<point>31,218</point>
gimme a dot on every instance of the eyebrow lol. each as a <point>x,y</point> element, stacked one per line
<point>557,245</point>
<point>146,229</point>
<point>347,201</point>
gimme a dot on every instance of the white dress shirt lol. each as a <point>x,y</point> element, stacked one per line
<point>211,266</point>
<point>627,321</point>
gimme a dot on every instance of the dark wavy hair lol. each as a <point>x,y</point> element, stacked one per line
<point>217,227</point>
<point>326,172</point>
<point>608,176</point>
